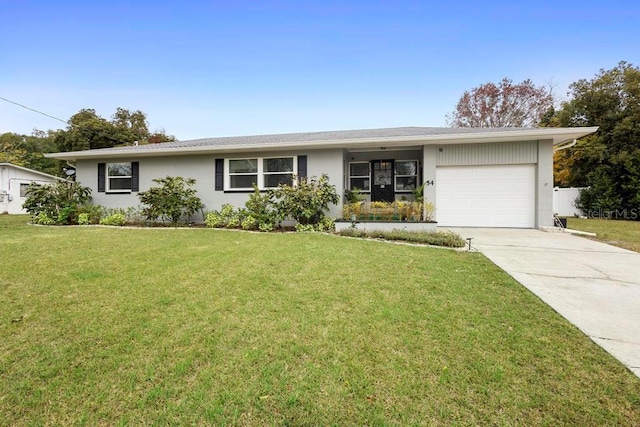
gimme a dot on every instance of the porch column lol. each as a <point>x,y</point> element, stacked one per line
<point>429,174</point>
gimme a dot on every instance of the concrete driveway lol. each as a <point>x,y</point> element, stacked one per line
<point>593,285</point>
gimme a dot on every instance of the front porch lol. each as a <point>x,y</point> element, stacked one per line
<point>387,216</point>
<point>382,175</point>
<point>385,190</point>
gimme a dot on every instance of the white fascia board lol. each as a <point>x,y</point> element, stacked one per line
<point>22,168</point>
<point>558,135</point>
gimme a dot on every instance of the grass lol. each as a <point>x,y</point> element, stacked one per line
<point>625,234</point>
<point>109,326</point>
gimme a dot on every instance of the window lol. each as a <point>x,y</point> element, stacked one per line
<point>243,173</point>
<point>23,189</point>
<point>277,171</point>
<point>406,175</point>
<point>119,177</point>
<point>359,176</point>
<point>122,177</point>
<point>263,172</point>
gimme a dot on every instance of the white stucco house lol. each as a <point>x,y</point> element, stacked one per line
<point>480,177</point>
<point>14,181</point>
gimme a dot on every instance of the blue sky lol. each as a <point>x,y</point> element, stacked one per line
<point>218,68</point>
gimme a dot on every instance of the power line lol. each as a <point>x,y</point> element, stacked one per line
<point>57,118</point>
<point>34,110</point>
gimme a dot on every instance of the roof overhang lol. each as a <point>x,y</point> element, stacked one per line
<point>557,135</point>
<point>35,172</point>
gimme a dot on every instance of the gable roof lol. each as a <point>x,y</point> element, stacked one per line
<point>22,168</point>
<point>363,138</point>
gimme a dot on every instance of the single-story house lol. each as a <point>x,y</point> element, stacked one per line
<point>14,181</point>
<point>481,177</point>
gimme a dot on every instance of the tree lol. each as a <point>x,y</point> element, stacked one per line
<point>503,105</point>
<point>87,130</point>
<point>27,151</point>
<point>609,161</point>
<point>160,136</point>
<point>131,126</point>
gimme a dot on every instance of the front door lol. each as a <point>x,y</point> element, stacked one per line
<point>382,188</point>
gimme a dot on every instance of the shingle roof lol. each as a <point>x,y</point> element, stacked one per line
<point>340,138</point>
<point>312,137</point>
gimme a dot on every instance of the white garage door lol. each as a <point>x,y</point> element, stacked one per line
<point>486,196</point>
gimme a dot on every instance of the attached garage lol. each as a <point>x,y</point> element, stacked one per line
<point>487,184</point>
<point>486,196</point>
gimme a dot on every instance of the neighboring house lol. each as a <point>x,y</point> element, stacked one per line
<point>14,181</point>
<point>479,177</point>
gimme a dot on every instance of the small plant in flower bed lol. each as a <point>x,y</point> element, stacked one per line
<point>326,224</point>
<point>96,214</point>
<point>399,210</point>
<point>116,219</point>
<point>436,238</point>
<point>227,217</point>
<point>43,219</point>
<point>84,219</point>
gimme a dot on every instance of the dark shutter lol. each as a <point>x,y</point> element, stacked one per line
<point>219,183</point>
<point>102,170</point>
<point>135,176</point>
<point>302,167</point>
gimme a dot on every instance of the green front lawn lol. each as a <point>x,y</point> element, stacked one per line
<point>109,326</point>
<point>625,234</point>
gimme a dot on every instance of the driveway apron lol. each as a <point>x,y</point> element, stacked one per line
<point>593,285</point>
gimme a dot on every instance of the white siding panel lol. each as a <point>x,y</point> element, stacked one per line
<point>486,196</point>
<point>497,153</point>
<point>202,169</point>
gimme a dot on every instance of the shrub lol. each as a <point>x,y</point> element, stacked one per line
<point>172,200</point>
<point>327,224</point>
<point>250,223</point>
<point>305,227</point>
<point>266,227</point>
<point>59,202</point>
<point>116,219</point>
<point>398,210</point>
<point>353,196</point>
<point>214,220</point>
<point>307,201</point>
<point>227,217</point>
<point>263,209</point>
<point>84,219</point>
<point>134,215</point>
<point>94,213</point>
<point>436,238</point>
<point>43,219</point>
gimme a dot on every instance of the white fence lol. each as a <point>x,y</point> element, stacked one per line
<point>564,201</point>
